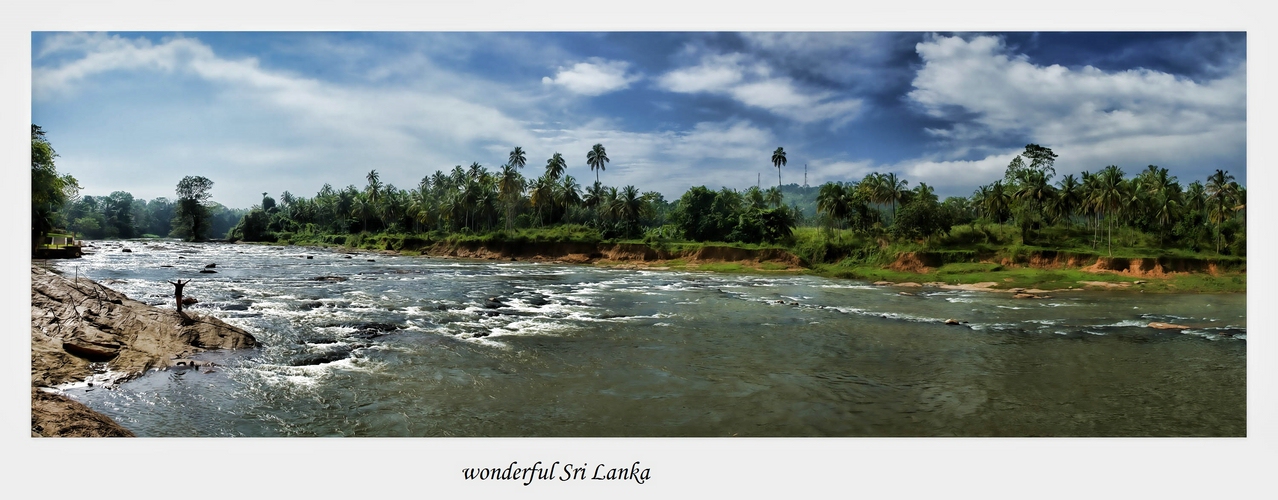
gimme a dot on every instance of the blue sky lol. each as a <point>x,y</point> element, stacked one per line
<point>269,112</point>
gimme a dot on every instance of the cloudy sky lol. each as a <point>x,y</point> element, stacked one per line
<point>269,112</point>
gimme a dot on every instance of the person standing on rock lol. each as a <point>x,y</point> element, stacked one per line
<point>177,292</point>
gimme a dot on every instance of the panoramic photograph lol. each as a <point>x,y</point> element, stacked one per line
<point>638,234</point>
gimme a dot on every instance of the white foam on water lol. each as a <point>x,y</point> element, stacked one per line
<point>1128,323</point>
<point>107,378</point>
<point>848,287</point>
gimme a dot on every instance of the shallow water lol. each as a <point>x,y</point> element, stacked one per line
<point>411,346</point>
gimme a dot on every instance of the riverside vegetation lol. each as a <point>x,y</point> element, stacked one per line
<point>1023,230</point>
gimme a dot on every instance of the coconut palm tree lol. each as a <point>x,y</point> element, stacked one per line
<point>568,193</point>
<point>1220,200</point>
<point>754,196</point>
<point>1110,194</point>
<point>555,167</point>
<point>925,192</point>
<point>892,190</point>
<point>630,207</point>
<point>996,201</point>
<point>596,158</point>
<point>542,195</point>
<point>517,158</point>
<point>1067,199</point>
<point>778,160</point>
<point>510,185</point>
<point>373,192</point>
<point>832,201</point>
<point>774,197</point>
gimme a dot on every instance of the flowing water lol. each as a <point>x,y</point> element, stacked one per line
<point>378,345</point>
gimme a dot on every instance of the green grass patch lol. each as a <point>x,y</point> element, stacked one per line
<point>723,267</point>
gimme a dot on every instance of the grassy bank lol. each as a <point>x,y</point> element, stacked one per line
<point>968,255</point>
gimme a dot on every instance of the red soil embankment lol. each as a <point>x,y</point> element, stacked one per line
<point>585,253</point>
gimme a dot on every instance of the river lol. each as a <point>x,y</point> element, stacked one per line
<point>385,345</point>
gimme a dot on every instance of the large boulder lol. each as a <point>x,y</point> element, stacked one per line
<point>55,415</point>
<point>77,323</point>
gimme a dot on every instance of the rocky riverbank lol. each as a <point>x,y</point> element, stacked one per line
<point>81,330</point>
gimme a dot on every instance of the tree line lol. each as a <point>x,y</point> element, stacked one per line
<point>880,205</point>
<point>57,205</point>
<point>474,199</point>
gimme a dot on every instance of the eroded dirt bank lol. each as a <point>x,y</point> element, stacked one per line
<point>925,262</point>
<point>81,328</point>
<point>587,253</point>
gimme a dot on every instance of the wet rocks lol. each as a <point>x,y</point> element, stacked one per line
<point>493,303</point>
<point>81,328</point>
<point>330,279</point>
<point>92,351</point>
<point>211,266</point>
<point>57,415</point>
<point>322,358</point>
<point>75,324</point>
<point>207,271</point>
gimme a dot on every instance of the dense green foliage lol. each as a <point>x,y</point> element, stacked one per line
<point>191,219</point>
<point>857,218</point>
<point>49,190</point>
<point>865,222</point>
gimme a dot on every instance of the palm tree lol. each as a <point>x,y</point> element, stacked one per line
<point>778,160</point>
<point>596,158</point>
<point>542,195</point>
<point>925,192</point>
<point>629,206</point>
<point>1034,193</point>
<point>555,166</point>
<point>517,158</point>
<point>1220,200</point>
<point>1067,199</point>
<point>373,191</point>
<point>1109,197</point>
<point>774,197</point>
<point>510,185</point>
<point>755,197</point>
<point>892,189</point>
<point>994,200</point>
<point>832,201</point>
<point>568,193</point>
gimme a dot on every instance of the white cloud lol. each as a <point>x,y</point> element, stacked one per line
<point>324,128</point>
<point>716,73</point>
<point>1090,117</point>
<point>753,84</point>
<point>593,78</point>
<point>825,170</point>
<point>715,154</point>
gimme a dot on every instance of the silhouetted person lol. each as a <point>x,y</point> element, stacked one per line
<point>177,292</point>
